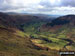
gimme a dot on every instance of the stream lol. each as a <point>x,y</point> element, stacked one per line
<point>70,42</point>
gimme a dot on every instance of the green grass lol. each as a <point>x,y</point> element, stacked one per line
<point>17,44</point>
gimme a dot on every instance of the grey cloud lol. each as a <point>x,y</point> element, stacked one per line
<point>8,5</point>
<point>62,3</point>
<point>68,3</point>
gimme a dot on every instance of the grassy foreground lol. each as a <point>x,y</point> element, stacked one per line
<point>17,43</point>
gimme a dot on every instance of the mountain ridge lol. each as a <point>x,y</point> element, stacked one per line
<point>68,20</point>
<point>26,35</point>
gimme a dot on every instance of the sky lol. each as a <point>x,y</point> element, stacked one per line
<point>51,7</point>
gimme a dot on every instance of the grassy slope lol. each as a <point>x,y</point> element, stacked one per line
<point>64,38</point>
<point>17,43</point>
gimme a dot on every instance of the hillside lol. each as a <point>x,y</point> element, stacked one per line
<point>19,21</point>
<point>59,34</point>
<point>15,42</point>
<point>28,35</point>
<point>64,21</point>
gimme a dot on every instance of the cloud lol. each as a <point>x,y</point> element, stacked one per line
<point>10,5</point>
<point>38,6</point>
<point>63,10</point>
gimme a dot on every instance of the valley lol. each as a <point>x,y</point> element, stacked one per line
<point>30,35</point>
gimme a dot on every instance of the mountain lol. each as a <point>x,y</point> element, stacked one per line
<point>37,15</point>
<point>15,41</point>
<point>18,20</point>
<point>43,15</point>
<point>59,34</point>
<point>63,21</point>
<point>69,19</point>
<point>30,35</point>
